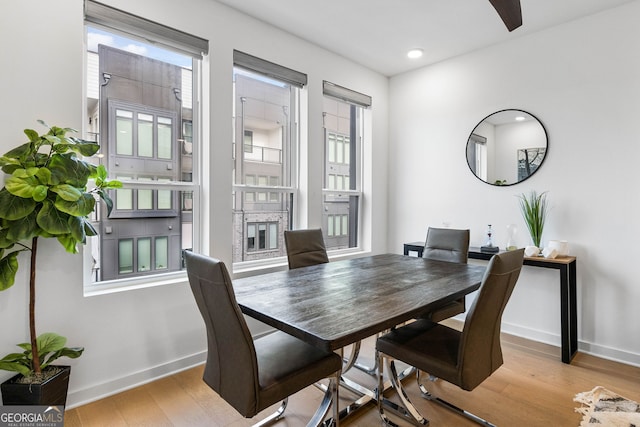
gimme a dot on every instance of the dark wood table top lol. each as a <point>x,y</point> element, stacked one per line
<point>336,304</point>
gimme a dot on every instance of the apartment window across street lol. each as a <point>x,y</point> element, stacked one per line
<point>142,80</point>
<point>265,124</point>
<point>342,191</point>
<point>262,236</point>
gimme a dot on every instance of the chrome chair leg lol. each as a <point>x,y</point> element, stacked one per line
<point>427,395</point>
<point>350,362</point>
<point>330,400</point>
<point>409,411</point>
<point>273,417</point>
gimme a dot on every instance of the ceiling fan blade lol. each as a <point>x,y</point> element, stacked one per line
<point>509,11</point>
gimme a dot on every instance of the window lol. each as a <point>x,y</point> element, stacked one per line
<point>343,129</point>
<point>248,141</point>
<point>141,80</point>
<point>262,236</point>
<point>264,149</point>
<point>150,254</point>
<point>477,155</point>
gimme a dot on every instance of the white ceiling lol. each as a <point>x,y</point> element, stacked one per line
<point>378,33</point>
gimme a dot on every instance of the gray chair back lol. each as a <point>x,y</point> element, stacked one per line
<point>232,368</point>
<point>305,247</point>
<point>451,245</point>
<point>479,352</point>
<point>447,244</point>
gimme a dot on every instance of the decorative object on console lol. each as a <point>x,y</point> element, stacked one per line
<point>512,230</point>
<point>561,246</point>
<point>533,207</point>
<point>488,245</point>
<point>531,251</point>
<point>549,253</point>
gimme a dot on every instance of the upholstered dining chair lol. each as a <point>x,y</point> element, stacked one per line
<point>451,245</point>
<point>305,247</point>
<point>249,374</point>
<point>464,358</point>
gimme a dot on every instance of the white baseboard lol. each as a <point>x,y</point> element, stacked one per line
<point>610,353</point>
<point>597,350</point>
<point>99,391</point>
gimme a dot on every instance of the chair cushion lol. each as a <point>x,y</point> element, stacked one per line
<point>428,346</point>
<point>287,365</point>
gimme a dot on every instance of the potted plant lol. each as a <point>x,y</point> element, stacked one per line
<point>45,194</point>
<point>533,207</point>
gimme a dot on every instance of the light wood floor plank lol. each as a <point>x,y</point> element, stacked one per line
<point>533,388</point>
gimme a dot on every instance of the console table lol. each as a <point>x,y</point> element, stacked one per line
<point>568,304</point>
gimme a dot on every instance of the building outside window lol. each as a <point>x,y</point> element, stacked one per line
<point>264,147</point>
<point>342,190</point>
<point>140,110</point>
<point>262,236</point>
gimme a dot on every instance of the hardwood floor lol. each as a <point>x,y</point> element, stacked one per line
<point>532,388</point>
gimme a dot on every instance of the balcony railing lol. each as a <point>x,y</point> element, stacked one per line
<point>263,154</point>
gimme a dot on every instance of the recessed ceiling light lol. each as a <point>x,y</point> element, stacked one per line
<point>520,118</point>
<point>415,53</point>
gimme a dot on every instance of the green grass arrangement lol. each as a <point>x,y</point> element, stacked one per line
<point>533,207</point>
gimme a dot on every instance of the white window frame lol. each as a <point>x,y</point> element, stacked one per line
<point>361,101</point>
<point>289,191</point>
<point>131,26</point>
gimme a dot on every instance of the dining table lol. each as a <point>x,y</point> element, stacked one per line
<point>335,304</point>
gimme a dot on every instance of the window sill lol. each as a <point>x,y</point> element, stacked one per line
<point>254,268</point>
<point>114,286</point>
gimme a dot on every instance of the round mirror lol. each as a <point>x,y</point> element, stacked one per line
<point>507,147</point>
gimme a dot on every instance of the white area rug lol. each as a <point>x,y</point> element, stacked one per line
<point>602,407</point>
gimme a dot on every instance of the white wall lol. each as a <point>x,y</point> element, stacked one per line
<point>136,336</point>
<point>582,80</point>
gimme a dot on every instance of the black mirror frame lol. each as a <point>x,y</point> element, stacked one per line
<point>546,135</point>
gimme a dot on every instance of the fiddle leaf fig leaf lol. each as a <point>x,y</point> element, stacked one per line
<point>70,352</point>
<point>85,148</point>
<point>9,165</point>
<point>89,230</point>
<point>113,184</point>
<point>20,152</point>
<point>49,342</point>
<point>5,242</point>
<point>67,192</point>
<point>25,173</point>
<point>69,243</point>
<point>102,172</point>
<point>21,187</point>
<point>82,206</point>
<point>107,200</point>
<point>77,229</point>
<point>53,221</point>
<point>32,135</point>
<point>44,175</point>
<point>40,193</point>
<point>8,269</point>
<point>13,207</point>
<point>23,229</point>
<point>68,169</point>
<point>52,139</point>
